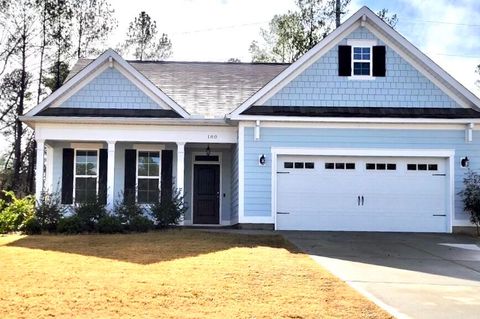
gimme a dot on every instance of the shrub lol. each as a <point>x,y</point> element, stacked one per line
<point>89,213</point>
<point>70,225</point>
<point>471,197</point>
<point>49,211</point>
<point>31,226</point>
<point>169,212</point>
<point>16,211</point>
<point>127,209</point>
<point>109,224</point>
<point>140,224</point>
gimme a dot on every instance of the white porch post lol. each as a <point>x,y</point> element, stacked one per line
<point>181,167</point>
<point>39,170</point>
<point>110,174</point>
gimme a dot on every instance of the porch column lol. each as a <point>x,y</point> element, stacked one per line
<point>110,174</point>
<point>39,170</point>
<point>181,167</point>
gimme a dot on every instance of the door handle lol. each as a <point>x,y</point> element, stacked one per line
<point>362,200</point>
<point>358,200</point>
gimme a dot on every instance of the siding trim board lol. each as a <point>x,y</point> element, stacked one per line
<point>107,112</point>
<point>364,112</point>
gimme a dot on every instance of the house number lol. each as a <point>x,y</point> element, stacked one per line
<point>212,136</point>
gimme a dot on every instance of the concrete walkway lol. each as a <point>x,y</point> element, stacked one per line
<point>410,275</point>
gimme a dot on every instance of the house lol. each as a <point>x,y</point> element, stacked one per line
<point>362,133</point>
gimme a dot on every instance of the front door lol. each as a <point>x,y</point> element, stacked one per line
<point>206,193</point>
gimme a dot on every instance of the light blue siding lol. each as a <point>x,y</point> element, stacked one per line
<point>258,179</point>
<point>320,85</point>
<point>110,89</point>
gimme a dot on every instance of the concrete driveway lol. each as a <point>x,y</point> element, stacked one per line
<point>410,275</point>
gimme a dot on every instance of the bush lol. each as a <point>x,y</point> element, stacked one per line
<point>49,211</point>
<point>16,211</point>
<point>109,224</point>
<point>31,226</point>
<point>471,197</point>
<point>127,209</point>
<point>169,212</point>
<point>70,225</point>
<point>89,213</point>
<point>139,224</point>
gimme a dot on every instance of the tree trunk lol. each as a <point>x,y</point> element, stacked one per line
<point>338,12</point>
<point>17,165</point>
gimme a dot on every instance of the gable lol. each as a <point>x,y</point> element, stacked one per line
<point>110,89</point>
<point>320,85</point>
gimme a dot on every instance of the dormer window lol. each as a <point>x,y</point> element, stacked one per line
<point>362,61</point>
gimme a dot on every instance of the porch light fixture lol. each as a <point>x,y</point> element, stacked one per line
<point>262,160</point>
<point>207,150</point>
<point>464,162</point>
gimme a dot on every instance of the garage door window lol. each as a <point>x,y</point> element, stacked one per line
<point>422,167</point>
<point>340,165</point>
<point>381,166</point>
<point>299,165</point>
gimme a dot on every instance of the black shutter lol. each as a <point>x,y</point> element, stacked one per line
<point>102,176</point>
<point>378,67</point>
<point>130,175</point>
<point>166,186</point>
<point>67,176</point>
<point>344,60</point>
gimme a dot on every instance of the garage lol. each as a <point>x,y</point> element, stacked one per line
<point>360,193</point>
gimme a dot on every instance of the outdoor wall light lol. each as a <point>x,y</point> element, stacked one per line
<point>207,150</point>
<point>262,160</point>
<point>464,162</point>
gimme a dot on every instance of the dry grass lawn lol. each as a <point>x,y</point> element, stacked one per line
<point>173,274</point>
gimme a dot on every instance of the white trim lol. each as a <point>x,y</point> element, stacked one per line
<point>220,186</point>
<point>86,146</point>
<point>241,172</point>
<point>362,43</point>
<point>370,63</point>
<point>137,176</point>
<point>349,119</point>
<point>103,59</point>
<point>110,174</point>
<point>441,153</point>
<point>149,147</point>
<point>85,176</point>
<point>381,126</point>
<point>39,171</point>
<point>336,36</point>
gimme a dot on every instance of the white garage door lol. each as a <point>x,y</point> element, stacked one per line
<point>361,194</point>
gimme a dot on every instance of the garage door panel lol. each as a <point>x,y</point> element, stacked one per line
<point>405,197</point>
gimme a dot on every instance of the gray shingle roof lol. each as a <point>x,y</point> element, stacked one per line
<point>211,89</point>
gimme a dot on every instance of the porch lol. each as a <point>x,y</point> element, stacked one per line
<point>147,162</point>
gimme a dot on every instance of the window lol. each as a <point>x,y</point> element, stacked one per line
<point>309,165</point>
<point>422,167</point>
<point>288,165</point>
<point>362,61</point>
<point>298,164</point>
<point>381,166</point>
<point>148,177</point>
<point>86,175</point>
<point>340,165</point>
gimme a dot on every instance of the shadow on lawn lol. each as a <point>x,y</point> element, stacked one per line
<point>149,248</point>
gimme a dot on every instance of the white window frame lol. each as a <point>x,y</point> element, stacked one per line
<point>356,76</point>
<point>362,43</point>
<point>87,149</point>
<point>137,176</point>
